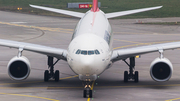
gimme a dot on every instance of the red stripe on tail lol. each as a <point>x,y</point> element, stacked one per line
<point>95,6</point>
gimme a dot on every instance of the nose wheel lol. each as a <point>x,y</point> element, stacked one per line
<point>131,75</point>
<point>48,74</point>
<point>87,93</point>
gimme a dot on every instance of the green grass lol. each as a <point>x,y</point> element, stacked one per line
<point>170,8</point>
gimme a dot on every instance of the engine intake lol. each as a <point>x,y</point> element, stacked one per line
<point>161,69</point>
<point>19,68</point>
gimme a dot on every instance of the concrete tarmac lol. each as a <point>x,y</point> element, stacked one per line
<point>57,32</point>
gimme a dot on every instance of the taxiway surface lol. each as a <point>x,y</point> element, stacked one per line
<point>57,32</point>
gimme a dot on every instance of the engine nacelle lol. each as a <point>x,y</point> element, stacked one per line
<point>19,68</point>
<point>161,69</point>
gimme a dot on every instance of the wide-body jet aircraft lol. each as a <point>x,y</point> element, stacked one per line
<point>90,51</point>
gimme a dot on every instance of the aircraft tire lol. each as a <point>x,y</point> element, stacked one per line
<point>85,93</point>
<point>136,76</point>
<point>56,75</point>
<point>46,75</point>
<point>125,76</point>
<point>90,93</point>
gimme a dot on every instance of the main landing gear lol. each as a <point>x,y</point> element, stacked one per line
<point>87,90</point>
<point>132,75</point>
<point>48,74</point>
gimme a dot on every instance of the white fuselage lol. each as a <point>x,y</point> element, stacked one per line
<point>90,50</point>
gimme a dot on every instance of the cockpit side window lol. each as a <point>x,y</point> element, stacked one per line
<point>83,52</point>
<point>97,52</point>
<point>78,51</point>
<point>90,52</point>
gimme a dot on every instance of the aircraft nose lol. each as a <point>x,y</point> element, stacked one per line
<point>87,63</point>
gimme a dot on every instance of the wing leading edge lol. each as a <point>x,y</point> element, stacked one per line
<point>49,51</point>
<point>123,13</point>
<point>131,52</point>
<point>66,12</point>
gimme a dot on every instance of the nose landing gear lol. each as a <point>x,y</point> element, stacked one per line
<point>87,90</point>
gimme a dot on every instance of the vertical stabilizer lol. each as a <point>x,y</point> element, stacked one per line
<point>95,6</point>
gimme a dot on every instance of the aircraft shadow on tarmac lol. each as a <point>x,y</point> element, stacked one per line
<point>105,83</point>
<point>98,84</point>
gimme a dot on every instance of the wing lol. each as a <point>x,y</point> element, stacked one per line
<point>117,14</point>
<point>49,51</point>
<point>66,12</point>
<point>131,52</point>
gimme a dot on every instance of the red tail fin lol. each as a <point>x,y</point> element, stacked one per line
<point>95,6</point>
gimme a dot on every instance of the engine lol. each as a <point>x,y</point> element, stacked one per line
<point>161,69</point>
<point>19,68</point>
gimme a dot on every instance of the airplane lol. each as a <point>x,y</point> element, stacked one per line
<point>90,51</point>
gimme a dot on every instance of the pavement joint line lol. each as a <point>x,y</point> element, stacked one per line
<point>21,83</point>
<point>139,86</point>
<point>30,96</point>
<point>145,33</point>
<point>130,33</point>
<point>138,44</point>
<point>70,31</point>
<point>40,81</point>
<point>40,87</point>
<point>128,41</point>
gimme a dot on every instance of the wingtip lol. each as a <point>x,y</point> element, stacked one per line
<point>30,5</point>
<point>157,7</point>
<point>160,6</point>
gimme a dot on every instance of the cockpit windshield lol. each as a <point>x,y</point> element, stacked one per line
<point>90,52</point>
<point>87,52</point>
<point>83,52</point>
